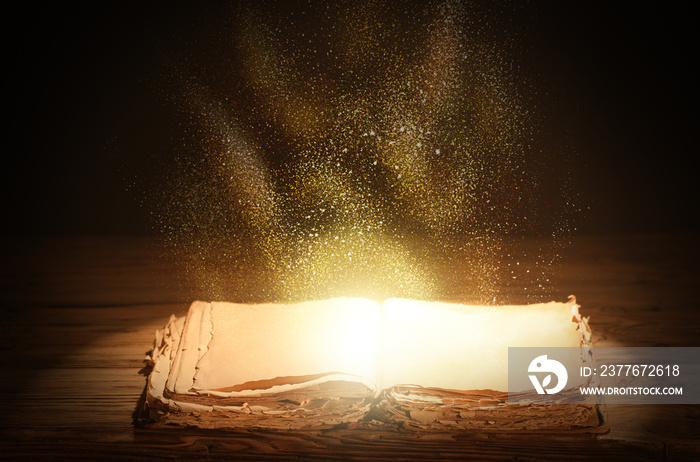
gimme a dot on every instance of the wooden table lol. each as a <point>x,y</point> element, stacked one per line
<point>79,315</point>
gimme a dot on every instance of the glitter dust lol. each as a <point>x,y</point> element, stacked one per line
<point>355,149</point>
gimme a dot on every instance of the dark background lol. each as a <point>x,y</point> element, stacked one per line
<point>83,122</point>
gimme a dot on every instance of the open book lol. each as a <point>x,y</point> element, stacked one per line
<point>323,363</point>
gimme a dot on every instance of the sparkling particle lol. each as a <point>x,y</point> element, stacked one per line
<point>281,182</point>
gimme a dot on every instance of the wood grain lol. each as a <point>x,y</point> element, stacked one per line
<point>79,315</point>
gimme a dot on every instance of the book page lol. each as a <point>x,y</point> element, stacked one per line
<point>462,347</point>
<point>189,348</point>
<point>272,344</point>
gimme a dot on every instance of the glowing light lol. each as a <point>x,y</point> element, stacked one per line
<point>234,347</point>
<point>352,157</point>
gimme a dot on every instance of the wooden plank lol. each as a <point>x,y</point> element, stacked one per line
<point>345,444</point>
<point>81,314</point>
